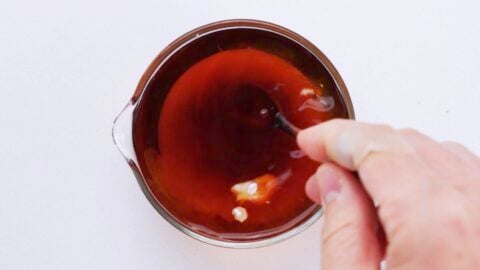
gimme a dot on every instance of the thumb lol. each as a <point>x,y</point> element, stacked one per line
<point>349,236</point>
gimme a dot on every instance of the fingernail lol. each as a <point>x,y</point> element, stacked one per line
<point>329,184</point>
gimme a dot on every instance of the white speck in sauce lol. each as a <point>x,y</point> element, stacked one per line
<point>240,214</point>
<point>252,188</point>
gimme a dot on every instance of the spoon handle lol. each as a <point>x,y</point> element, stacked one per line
<point>284,125</point>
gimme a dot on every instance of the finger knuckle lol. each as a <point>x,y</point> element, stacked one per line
<point>394,214</point>
<point>451,216</point>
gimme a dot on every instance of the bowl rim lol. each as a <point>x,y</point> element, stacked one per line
<point>171,49</point>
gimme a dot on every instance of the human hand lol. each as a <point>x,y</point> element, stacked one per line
<point>422,196</point>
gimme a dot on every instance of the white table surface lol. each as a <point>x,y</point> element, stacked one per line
<point>68,199</point>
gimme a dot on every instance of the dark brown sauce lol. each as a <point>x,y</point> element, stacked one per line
<point>203,125</point>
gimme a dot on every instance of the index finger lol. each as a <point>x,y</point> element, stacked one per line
<point>385,160</point>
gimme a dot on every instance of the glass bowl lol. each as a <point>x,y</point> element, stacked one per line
<point>123,134</point>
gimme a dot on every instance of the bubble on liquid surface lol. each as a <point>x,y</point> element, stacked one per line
<point>318,103</point>
<point>240,214</point>
<point>297,154</point>
<point>267,113</point>
<point>307,92</point>
<point>278,86</point>
<point>252,188</point>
